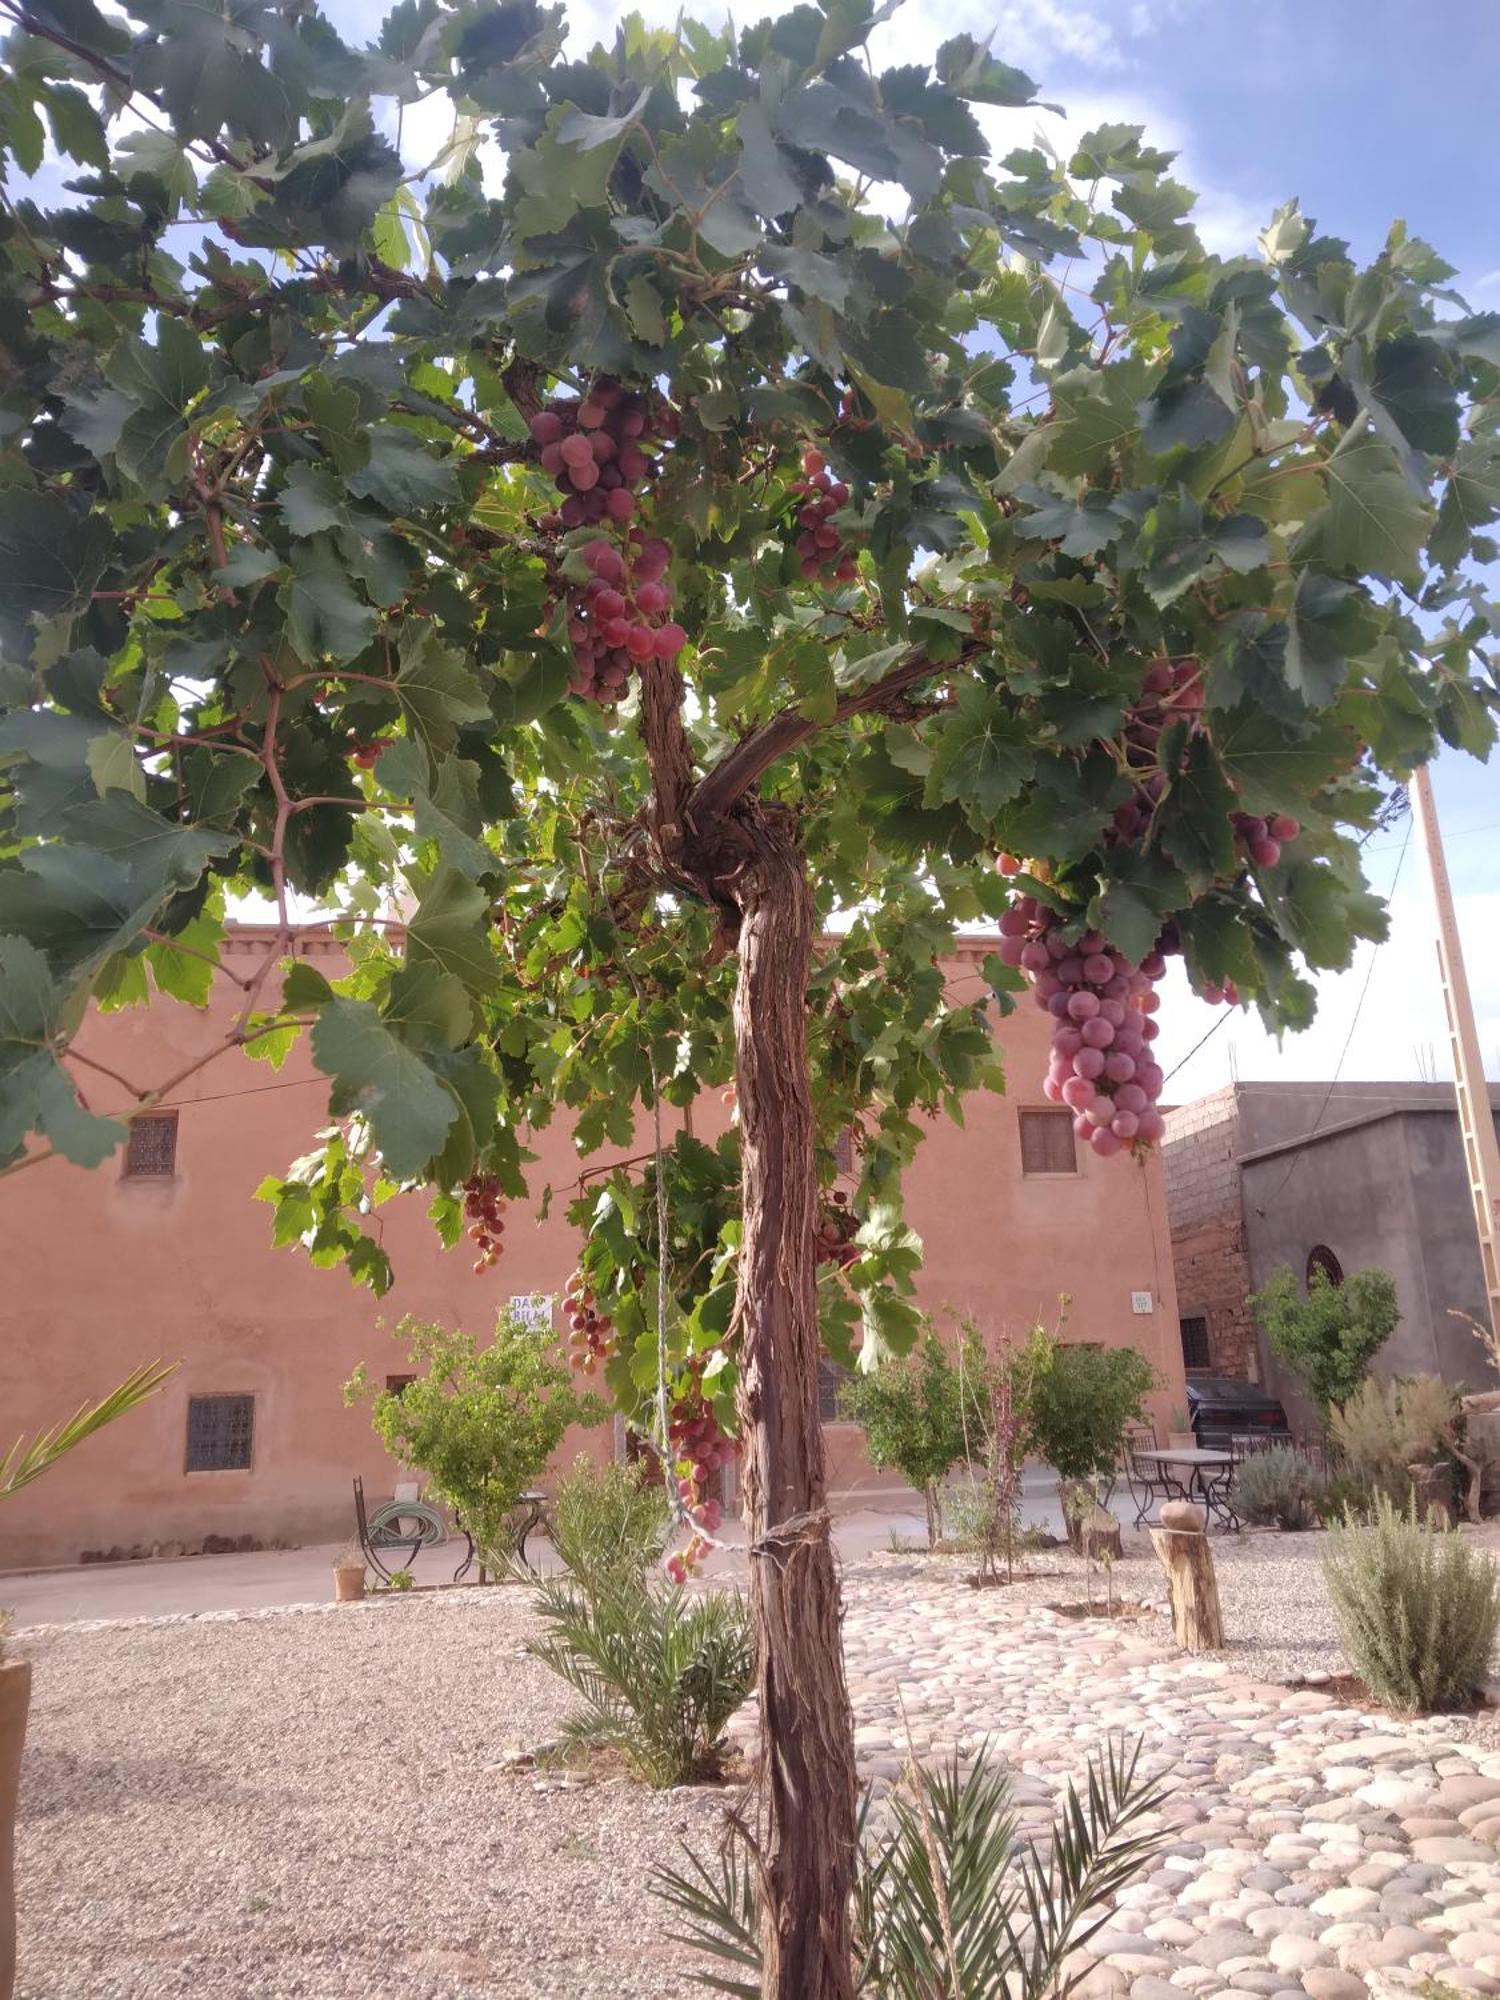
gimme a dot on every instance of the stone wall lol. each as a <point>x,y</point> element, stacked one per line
<point>1200,1166</point>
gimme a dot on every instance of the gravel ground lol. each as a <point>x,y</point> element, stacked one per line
<point>305,1807</point>
<point>309,1804</point>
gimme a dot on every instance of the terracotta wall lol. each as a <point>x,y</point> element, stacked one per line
<point>103,1271</point>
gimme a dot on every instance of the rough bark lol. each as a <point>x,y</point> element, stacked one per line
<point>808,1776</point>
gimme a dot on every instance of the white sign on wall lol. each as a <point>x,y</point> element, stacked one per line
<point>1140,1302</point>
<point>533,1310</point>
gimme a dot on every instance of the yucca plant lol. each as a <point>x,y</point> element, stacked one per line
<point>660,1670</point>
<point>947,1904</point>
<point>608,1522</point>
<point>1418,1607</point>
<point>29,1458</point>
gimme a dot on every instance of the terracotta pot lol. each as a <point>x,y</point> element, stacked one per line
<point>15,1699</point>
<point>348,1588</point>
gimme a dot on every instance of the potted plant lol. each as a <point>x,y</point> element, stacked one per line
<point>349,1575</point>
<point>24,1461</point>
<point>1180,1433</point>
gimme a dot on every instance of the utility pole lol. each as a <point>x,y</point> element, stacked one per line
<point>1475,1118</point>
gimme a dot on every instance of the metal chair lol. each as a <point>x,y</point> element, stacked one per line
<point>1147,1481</point>
<point>401,1524</point>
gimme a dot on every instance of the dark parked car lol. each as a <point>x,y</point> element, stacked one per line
<point>1221,1408</point>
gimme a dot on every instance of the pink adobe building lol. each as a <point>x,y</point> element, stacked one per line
<point>162,1252</point>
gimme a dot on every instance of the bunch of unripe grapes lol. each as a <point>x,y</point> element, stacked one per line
<point>483,1206</point>
<point>822,552</point>
<point>594,447</point>
<point>1263,839</point>
<point>613,619</point>
<point>590,1332</point>
<point>836,1232</point>
<point>1102,1027</point>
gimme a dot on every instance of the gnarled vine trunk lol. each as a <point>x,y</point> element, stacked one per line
<point>807,1730</point>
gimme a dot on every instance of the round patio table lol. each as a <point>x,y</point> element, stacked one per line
<point>1207,1481</point>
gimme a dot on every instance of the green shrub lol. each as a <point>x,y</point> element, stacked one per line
<point>660,1670</point>
<point>922,1415</point>
<point>479,1422</point>
<point>608,1521</point>
<point>1384,1427</point>
<point>1418,1608</point>
<point>949,1901</point>
<point>1331,1336</point>
<point>1279,1489</point>
<point>1083,1400</point>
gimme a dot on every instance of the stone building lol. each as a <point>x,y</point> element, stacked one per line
<point>1262,1174</point>
<point>164,1252</point>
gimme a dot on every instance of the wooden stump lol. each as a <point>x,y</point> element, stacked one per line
<point>1182,1544</point>
<point>1432,1487</point>
<point>1100,1536</point>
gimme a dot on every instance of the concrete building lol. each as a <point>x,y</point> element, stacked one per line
<point>1262,1174</point>
<point>163,1252</point>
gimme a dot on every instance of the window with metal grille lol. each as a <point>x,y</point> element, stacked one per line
<point>831,1380</point>
<point>1195,1342</point>
<point>396,1383</point>
<point>1321,1258</point>
<point>151,1149</point>
<point>220,1433</point>
<point>1047,1145</point>
<point>843,1150</point>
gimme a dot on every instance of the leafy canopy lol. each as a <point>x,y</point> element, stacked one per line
<point>284,588</point>
<point>1331,1336</point>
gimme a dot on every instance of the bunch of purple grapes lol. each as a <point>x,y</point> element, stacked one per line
<point>593,446</point>
<point>1102,1027</point>
<point>1263,839</point>
<point>612,618</point>
<point>822,553</point>
<point>1171,691</point>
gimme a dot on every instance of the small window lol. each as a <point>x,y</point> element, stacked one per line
<point>220,1433</point>
<point>1321,1258</point>
<point>1195,1342</point>
<point>831,1379</point>
<point>396,1383</point>
<point>1047,1144</point>
<point>843,1150</point>
<point>151,1149</point>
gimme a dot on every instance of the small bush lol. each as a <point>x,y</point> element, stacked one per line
<point>1279,1489</point>
<point>1385,1427</point>
<point>1083,1400</point>
<point>660,1671</point>
<point>922,1414</point>
<point>1418,1608</point>
<point>607,1522</point>
<point>1331,1336</point>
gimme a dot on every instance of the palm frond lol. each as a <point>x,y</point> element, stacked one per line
<point>1098,1845</point>
<point>720,1910</point>
<point>1011,1922</point>
<point>29,1459</point>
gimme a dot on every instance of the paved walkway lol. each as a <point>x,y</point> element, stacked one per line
<point>181,1585</point>
<point>1316,1850</point>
